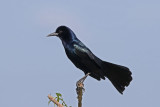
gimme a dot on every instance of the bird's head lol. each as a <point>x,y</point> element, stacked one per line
<point>63,32</point>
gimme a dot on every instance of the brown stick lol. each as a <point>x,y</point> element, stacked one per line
<point>55,101</point>
<point>80,89</point>
<point>80,93</point>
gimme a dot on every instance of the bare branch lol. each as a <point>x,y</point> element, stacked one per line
<point>55,101</point>
<point>80,89</point>
<point>80,93</point>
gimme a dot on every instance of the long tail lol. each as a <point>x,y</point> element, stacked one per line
<point>120,76</point>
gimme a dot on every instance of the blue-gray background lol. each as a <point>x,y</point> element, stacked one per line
<point>120,31</point>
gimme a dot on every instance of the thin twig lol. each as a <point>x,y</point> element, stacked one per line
<point>55,101</point>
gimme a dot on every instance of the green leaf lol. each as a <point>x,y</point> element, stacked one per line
<point>59,98</point>
<point>49,102</point>
<point>58,94</point>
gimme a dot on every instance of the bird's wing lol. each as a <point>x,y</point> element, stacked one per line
<point>83,52</point>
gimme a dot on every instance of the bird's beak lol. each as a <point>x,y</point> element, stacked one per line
<point>52,34</point>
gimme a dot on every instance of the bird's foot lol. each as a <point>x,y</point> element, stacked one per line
<point>82,80</point>
<point>80,84</point>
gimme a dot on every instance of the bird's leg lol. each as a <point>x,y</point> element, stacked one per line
<point>80,89</point>
<point>82,80</point>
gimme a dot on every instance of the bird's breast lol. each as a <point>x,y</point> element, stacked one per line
<point>70,52</point>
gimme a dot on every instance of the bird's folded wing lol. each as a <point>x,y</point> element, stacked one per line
<point>83,52</point>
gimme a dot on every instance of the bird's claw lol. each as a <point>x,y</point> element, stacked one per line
<point>79,88</point>
<point>80,82</point>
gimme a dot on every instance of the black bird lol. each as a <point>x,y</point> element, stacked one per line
<point>90,64</point>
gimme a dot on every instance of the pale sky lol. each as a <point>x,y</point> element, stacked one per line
<point>124,32</point>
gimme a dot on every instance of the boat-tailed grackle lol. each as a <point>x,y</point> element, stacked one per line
<point>84,59</point>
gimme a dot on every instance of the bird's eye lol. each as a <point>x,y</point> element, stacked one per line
<point>60,31</point>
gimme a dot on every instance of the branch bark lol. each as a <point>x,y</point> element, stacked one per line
<point>79,90</point>
<point>55,101</point>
